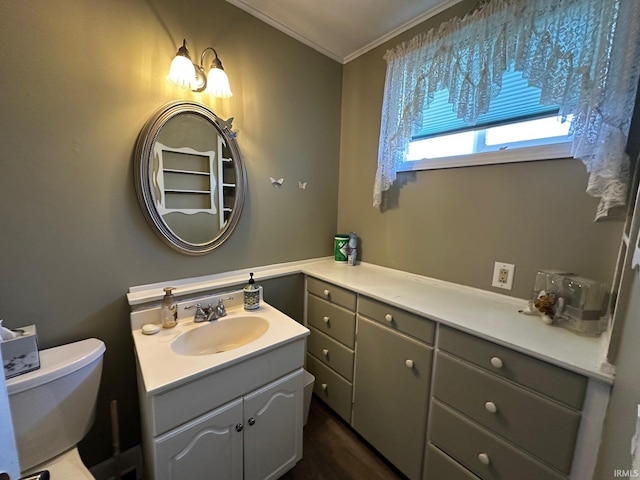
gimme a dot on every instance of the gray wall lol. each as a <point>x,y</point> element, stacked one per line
<point>79,79</point>
<point>454,224</point>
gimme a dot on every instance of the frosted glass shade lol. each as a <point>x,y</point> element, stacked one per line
<point>218,83</point>
<point>182,72</point>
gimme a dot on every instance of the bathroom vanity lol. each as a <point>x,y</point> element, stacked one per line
<point>446,382</point>
<point>456,385</point>
<point>234,412</point>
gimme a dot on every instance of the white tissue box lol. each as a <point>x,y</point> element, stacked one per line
<point>20,355</point>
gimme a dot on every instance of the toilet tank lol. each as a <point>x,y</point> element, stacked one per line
<point>52,408</point>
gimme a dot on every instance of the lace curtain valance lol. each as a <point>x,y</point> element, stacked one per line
<point>584,55</point>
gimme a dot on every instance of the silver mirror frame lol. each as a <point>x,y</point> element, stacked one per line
<point>143,162</point>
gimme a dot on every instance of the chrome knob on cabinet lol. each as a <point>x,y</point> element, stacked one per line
<point>325,352</point>
<point>388,317</point>
<point>497,362</point>
<point>484,458</point>
<point>325,320</point>
<point>409,363</point>
<point>238,427</point>
<point>326,292</point>
<point>252,421</point>
<point>324,386</point>
<point>491,407</point>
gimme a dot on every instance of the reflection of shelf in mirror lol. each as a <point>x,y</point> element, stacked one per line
<point>227,160</point>
<point>189,172</point>
<point>227,209</point>
<point>229,185</point>
<point>172,190</point>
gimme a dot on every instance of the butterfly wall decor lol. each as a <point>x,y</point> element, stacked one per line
<point>226,125</point>
<point>276,183</point>
<point>302,185</point>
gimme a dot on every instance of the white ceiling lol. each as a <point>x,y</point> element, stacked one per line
<point>343,29</point>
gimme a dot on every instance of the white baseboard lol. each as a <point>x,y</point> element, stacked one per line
<point>130,460</point>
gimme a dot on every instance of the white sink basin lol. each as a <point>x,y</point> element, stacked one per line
<point>220,336</point>
<point>179,355</point>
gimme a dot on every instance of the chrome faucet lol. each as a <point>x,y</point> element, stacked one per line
<point>209,313</point>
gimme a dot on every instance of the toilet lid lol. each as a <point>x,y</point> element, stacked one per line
<point>67,466</point>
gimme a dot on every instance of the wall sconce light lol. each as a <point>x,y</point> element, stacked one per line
<point>186,74</point>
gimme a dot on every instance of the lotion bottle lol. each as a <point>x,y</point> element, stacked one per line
<point>169,309</point>
<point>251,295</point>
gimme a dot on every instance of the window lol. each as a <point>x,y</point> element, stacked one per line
<point>516,128</point>
<point>582,54</point>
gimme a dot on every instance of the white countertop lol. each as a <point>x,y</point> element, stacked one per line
<point>485,314</point>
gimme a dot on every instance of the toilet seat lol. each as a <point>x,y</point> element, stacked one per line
<point>66,466</point>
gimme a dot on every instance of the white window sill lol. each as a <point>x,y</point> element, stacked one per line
<point>527,154</point>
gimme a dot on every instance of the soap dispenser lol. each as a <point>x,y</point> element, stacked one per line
<point>169,309</point>
<point>251,294</point>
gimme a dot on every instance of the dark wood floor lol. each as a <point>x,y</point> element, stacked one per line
<point>333,451</point>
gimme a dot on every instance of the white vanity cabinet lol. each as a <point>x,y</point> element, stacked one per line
<point>242,421</point>
<point>258,436</point>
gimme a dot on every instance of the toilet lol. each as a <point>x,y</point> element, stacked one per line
<point>52,408</point>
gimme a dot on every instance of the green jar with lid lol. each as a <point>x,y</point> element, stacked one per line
<point>340,245</point>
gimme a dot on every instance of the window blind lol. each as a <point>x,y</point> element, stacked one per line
<point>516,102</point>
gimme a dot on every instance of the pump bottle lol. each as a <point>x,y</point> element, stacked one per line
<point>169,309</point>
<point>251,295</point>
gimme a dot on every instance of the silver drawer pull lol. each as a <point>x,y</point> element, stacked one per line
<point>388,317</point>
<point>325,320</point>
<point>324,387</point>
<point>325,352</point>
<point>484,458</point>
<point>497,362</point>
<point>409,363</point>
<point>491,407</point>
<point>326,292</point>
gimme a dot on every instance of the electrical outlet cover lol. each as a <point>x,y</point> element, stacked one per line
<point>503,275</point>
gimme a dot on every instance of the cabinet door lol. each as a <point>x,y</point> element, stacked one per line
<point>391,387</point>
<point>208,447</point>
<point>273,428</point>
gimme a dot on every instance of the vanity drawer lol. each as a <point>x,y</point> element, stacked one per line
<point>540,426</point>
<point>332,320</point>
<point>488,456</point>
<point>440,466</point>
<point>397,319</point>
<point>332,293</point>
<point>555,382</point>
<point>331,388</point>
<point>331,353</point>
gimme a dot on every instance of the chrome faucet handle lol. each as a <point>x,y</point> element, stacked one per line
<point>221,311</point>
<point>200,315</point>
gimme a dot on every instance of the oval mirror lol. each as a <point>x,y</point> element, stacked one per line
<point>189,177</point>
